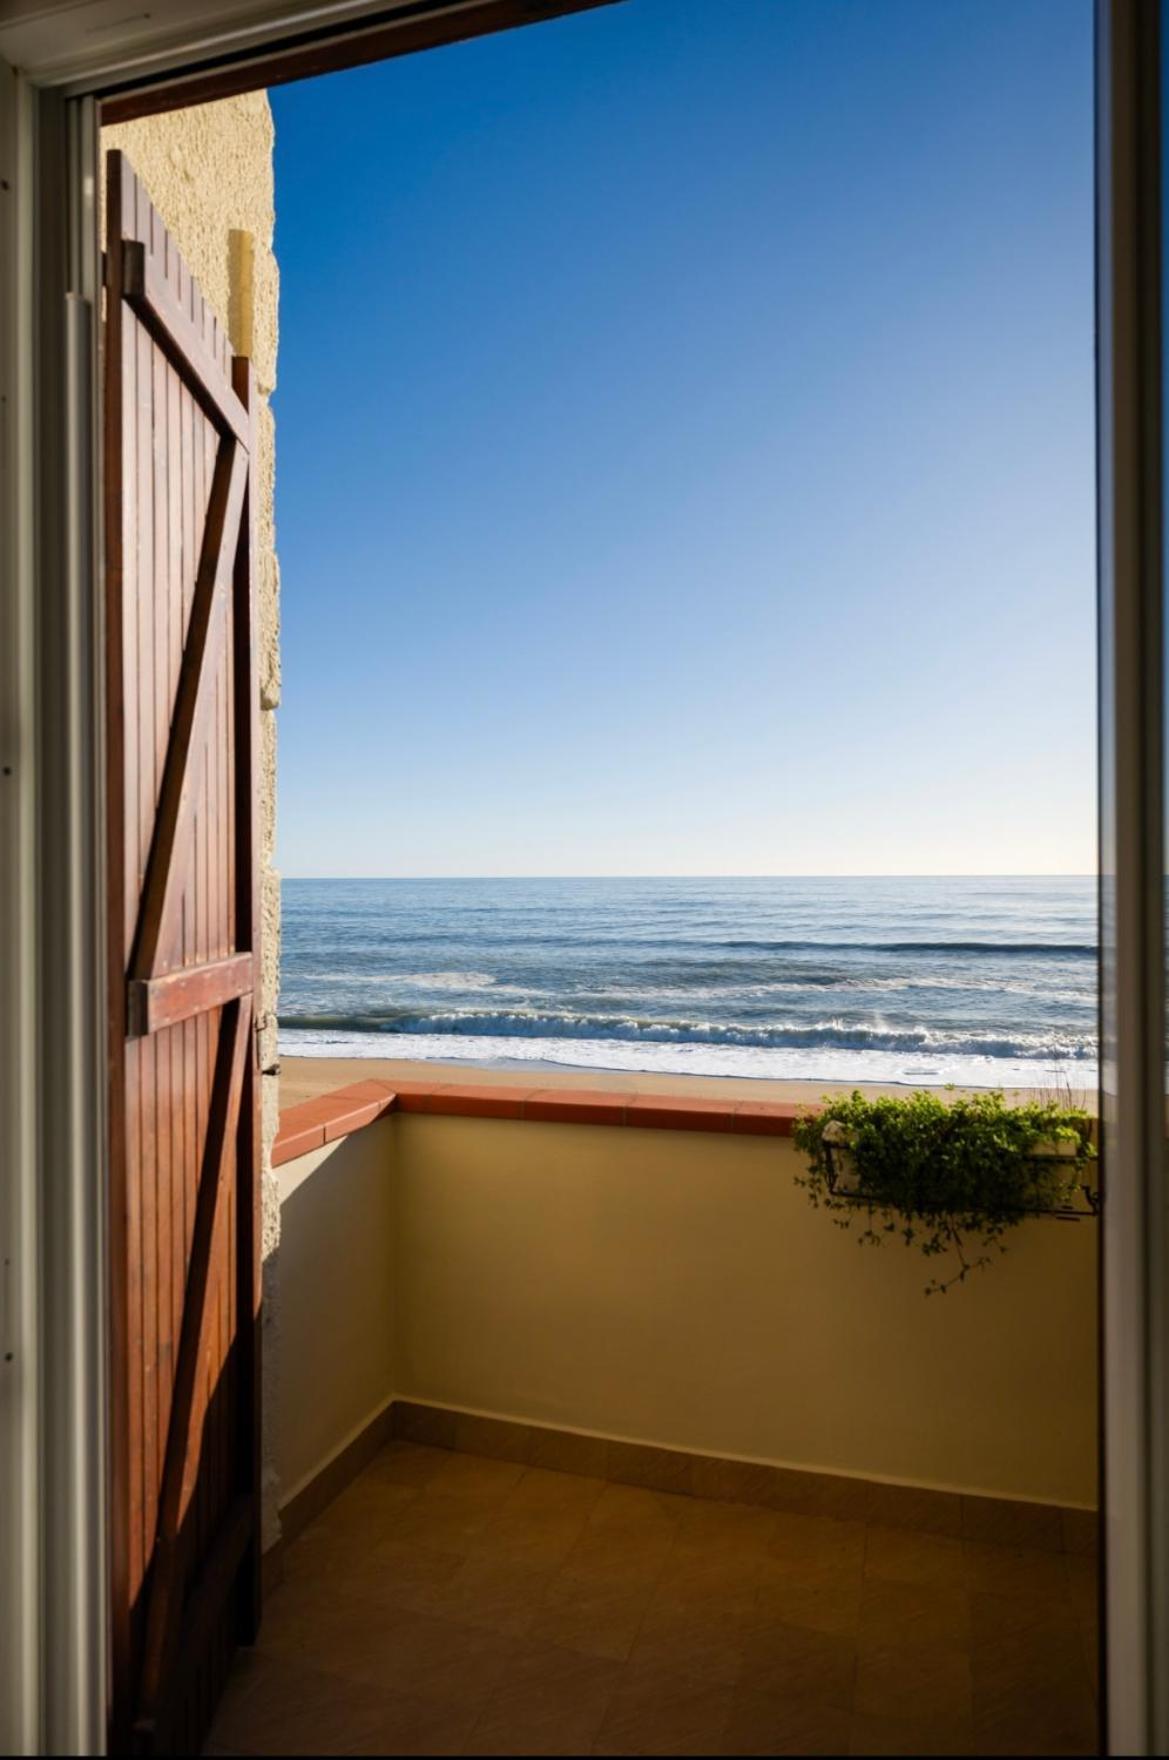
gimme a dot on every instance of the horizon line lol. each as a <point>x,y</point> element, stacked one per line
<point>1031,874</point>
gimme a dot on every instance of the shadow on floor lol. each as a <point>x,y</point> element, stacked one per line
<point>449,1604</point>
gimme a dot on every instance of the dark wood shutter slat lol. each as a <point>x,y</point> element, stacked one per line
<point>156,301</point>
<point>193,709</point>
<point>165,1603</point>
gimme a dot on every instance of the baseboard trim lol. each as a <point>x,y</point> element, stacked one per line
<point>317,1492</point>
<point>996,1520</point>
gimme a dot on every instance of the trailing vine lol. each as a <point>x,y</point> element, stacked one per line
<point>951,1177</point>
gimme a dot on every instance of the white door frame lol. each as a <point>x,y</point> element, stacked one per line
<point>52,1631</point>
<point>1131,243</point>
<point>53,1359</point>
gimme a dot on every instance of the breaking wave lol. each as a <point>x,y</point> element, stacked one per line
<point>836,1034</point>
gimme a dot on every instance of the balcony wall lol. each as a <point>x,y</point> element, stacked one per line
<point>669,1287</point>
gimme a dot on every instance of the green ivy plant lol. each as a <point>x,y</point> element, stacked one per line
<point>949,1176</point>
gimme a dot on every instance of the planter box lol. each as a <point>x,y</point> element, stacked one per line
<point>844,1177</point>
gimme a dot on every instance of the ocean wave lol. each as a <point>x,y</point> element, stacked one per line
<point>1008,949</point>
<point>837,1034</point>
<point>447,980</point>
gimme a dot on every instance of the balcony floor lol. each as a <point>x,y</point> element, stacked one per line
<point>450,1604</point>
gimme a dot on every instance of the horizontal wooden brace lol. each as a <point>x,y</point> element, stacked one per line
<point>154,1003</point>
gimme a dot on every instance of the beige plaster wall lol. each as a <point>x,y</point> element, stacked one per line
<point>210,175</point>
<point>676,1288</point>
<point>336,1311</point>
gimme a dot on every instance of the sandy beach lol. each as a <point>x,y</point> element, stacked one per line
<point>302,1078</point>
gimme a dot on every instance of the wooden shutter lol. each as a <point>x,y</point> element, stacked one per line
<point>183,945</point>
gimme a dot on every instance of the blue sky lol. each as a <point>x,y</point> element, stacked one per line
<point>685,446</point>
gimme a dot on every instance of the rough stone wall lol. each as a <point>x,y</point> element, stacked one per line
<point>209,172</point>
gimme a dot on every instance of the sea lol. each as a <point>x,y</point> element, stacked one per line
<point>980,982</point>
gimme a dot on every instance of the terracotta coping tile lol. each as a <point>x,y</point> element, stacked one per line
<point>291,1142</point>
<point>767,1118</point>
<point>314,1111</point>
<point>350,1117</point>
<point>371,1090</point>
<point>312,1123</point>
<point>467,1100</point>
<point>680,1113</point>
<point>327,1117</point>
<point>411,1090</point>
<point>577,1105</point>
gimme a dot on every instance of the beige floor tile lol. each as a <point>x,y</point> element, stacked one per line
<point>273,1707</point>
<point>908,1615</point>
<point>910,1735</point>
<point>1081,1531</point>
<point>818,1540</point>
<point>1026,1673</point>
<point>410,1724</point>
<point>537,1541</point>
<point>291,1611</point>
<point>548,1701</point>
<point>637,1510</point>
<point>1083,1578</point>
<point>330,1631</point>
<point>635,1559</point>
<point>390,1573</point>
<point>708,1576</point>
<point>934,1684</point>
<point>446,1521</point>
<point>772,1723</point>
<point>395,1648</point>
<point>491,1592</point>
<point>729,1528</point>
<point>904,1556</point>
<point>369,1508</point>
<point>634,1562</point>
<point>1090,1651</point>
<point>705,1645</point>
<point>1015,1570</point>
<point>807,1666</point>
<point>542,1492</point>
<point>434,1657</point>
<point>595,1616</point>
<point>820,1597</point>
<point>1007,1620</point>
<point>451,1603</point>
<point>656,1712</point>
<point>407,1463</point>
<point>470,1475</point>
<point>323,1553</point>
<point>1042,1725</point>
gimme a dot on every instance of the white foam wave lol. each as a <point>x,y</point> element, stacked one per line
<point>820,1063</point>
<point>450,980</point>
